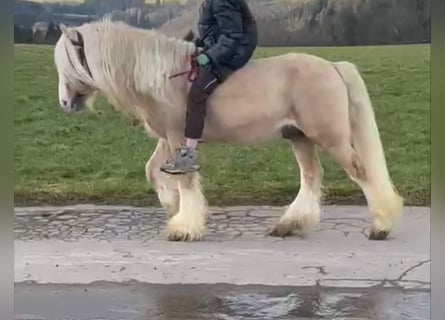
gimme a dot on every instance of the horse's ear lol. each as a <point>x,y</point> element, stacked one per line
<point>62,28</point>
<point>71,33</point>
<point>190,36</point>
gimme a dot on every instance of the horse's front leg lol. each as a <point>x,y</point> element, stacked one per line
<point>165,185</point>
<point>189,222</point>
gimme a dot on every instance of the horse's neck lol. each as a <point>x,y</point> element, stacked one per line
<point>146,104</point>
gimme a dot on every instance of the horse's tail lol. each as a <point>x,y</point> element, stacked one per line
<point>367,143</point>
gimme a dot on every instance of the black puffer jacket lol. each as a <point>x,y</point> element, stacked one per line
<point>227,31</point>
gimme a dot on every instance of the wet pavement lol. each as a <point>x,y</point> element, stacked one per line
<point>99,262</point>
<point>215,302</point>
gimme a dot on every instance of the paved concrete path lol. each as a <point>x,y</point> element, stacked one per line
<point>85,244</point>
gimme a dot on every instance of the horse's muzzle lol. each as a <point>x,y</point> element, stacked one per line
<point>76,104</point>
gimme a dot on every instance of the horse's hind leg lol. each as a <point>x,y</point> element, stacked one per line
<point>383,203</point>
<point>165,186</point>
<point>303,214</point>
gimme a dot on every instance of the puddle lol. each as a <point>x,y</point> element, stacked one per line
<point>215,302</point>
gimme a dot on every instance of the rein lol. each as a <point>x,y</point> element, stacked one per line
<point>191,73</point>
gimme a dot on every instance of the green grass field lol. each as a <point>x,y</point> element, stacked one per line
<point>100,157</point>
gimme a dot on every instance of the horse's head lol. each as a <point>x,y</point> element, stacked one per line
<point>75,80</point>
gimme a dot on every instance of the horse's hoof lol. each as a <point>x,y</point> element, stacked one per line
<point>378,234</point>
<point>178,236</point>
<point>179,229</point>
<point>184,236</point>
<point>281,230</point>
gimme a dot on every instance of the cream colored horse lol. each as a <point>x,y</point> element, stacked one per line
<point>307,100</point>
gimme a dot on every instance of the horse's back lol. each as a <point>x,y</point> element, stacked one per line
<point>269,74</point>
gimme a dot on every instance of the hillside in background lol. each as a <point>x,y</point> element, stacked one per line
<point>281,23</point>
<point>330,22</point>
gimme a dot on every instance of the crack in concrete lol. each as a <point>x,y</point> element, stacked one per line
<point>363,232</point>
<point>404,273</point>
<point>393,282</point>
<point>347,224</point>
<point>321,269</point>
<point>240,234</point>
<point>382,283</point>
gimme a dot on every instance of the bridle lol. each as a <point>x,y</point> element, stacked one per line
<point>78,44</point>
<point>80,50</point>
<point>191,73</point>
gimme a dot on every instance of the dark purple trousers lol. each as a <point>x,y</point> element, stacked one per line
<point>206,82</point>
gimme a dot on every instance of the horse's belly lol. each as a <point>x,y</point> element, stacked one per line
<point>246,114</point>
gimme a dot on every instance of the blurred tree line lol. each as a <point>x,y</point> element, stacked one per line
<point>280,22</point>
<point>330,22</point>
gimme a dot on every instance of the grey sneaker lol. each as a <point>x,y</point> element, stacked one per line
<point>184,162</point>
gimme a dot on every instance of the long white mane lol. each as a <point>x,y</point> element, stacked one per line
<point>127,64</point>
